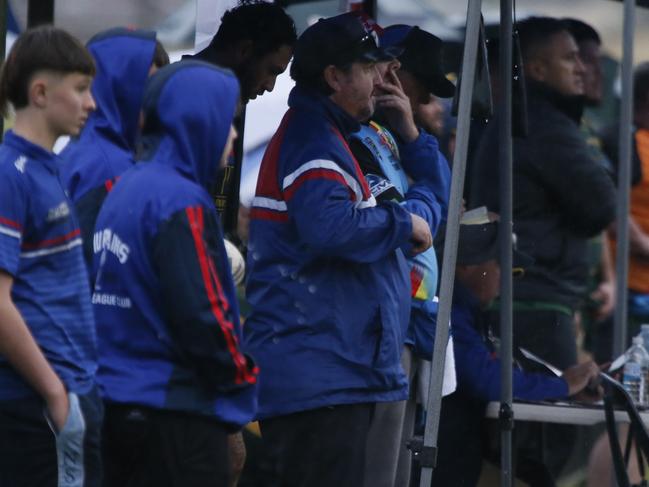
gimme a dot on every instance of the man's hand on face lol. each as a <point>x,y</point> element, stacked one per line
<point>421,237</point>
<point>395,106</point>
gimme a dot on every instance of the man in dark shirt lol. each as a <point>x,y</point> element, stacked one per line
<point>562,197</point>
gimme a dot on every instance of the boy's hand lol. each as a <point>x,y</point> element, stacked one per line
<point>58,407</point>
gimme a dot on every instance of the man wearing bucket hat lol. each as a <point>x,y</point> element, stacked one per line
<point>402,163</point>
<point>328,282</point>
<point>422,69</point>
<point>477,278</point>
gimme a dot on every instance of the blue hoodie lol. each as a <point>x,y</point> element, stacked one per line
<point>105,149</point>
<point>165,305</point>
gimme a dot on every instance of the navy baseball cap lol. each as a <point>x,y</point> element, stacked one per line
<point>421,56</point>
<point>338,41</point>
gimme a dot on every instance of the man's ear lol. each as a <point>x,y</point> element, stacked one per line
<point>535,69</point>
<point>332,75</point>
<point>37,91</point>
<point>243,51</point>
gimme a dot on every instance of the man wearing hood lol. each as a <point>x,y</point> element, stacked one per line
<point>172,373</point>
<point>92,163</point>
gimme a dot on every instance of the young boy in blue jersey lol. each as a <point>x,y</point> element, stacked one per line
<point>106,148</point>
<point>172,373</point>
<point>50,413</point>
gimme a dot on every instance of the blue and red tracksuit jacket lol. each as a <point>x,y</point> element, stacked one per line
<point>166,310</point>
<point>106,147</point>
<point>328,283</point>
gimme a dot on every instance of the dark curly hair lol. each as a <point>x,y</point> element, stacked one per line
<point>266,24</point>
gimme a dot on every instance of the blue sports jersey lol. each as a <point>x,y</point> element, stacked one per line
<point>40,246</point>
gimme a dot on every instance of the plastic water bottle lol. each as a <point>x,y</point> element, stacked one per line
<point>635,371</point>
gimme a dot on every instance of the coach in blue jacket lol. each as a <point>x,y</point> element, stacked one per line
<point>477,365</point>
<point>171,369</point>
<point>328,281</point>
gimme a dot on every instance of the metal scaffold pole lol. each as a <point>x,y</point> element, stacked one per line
<point>428,452</point>
<point>624,181</point>
<point>506,415</point>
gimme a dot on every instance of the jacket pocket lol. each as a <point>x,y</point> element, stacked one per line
<point>69,446</point>
<point>390,344</point>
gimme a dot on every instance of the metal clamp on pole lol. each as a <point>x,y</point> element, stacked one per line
<point>506,417</point>
<point>425,455</point>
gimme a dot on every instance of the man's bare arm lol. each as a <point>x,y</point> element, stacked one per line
<point>638,240</point>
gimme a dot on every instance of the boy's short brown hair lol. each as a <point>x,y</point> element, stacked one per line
<point>43,48</point>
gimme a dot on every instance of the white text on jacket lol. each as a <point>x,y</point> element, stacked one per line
<point>108,240</point>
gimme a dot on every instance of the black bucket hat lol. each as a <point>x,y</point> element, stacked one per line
<point>421,56</point>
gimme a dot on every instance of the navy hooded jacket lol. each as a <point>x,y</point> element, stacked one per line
<point>478,369</point>
<point>106,147</point>
<point>328,283</point>
<point>165,305</point>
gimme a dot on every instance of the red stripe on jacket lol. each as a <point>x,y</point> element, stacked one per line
<point>359,174</point>
<point>265,214</point>
<point>267,184</point>
<point>216,297</point>
<point>317,174</point>
<point>52,241</point>
<point>10,223</point>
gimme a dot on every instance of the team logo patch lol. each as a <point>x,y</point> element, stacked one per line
<point>378,185</point>
<point>20,163</point>
<point>59,212</point>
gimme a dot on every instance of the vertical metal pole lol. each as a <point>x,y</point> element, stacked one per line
<point>506,415</point>
<point>40,12</point>
<point>624,186</point>
<point>3,47</point>
<point>450,245</point>
<point>624,181</point>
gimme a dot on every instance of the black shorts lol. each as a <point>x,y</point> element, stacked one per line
<point>145,447</point>
<point>28,446</point>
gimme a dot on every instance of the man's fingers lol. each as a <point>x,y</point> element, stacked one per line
<point>392,89</point>
<point>395,79</point>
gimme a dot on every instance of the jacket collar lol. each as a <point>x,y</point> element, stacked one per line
<point>571,106</point>
<point>302,98</point>
<point>31,150</point>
